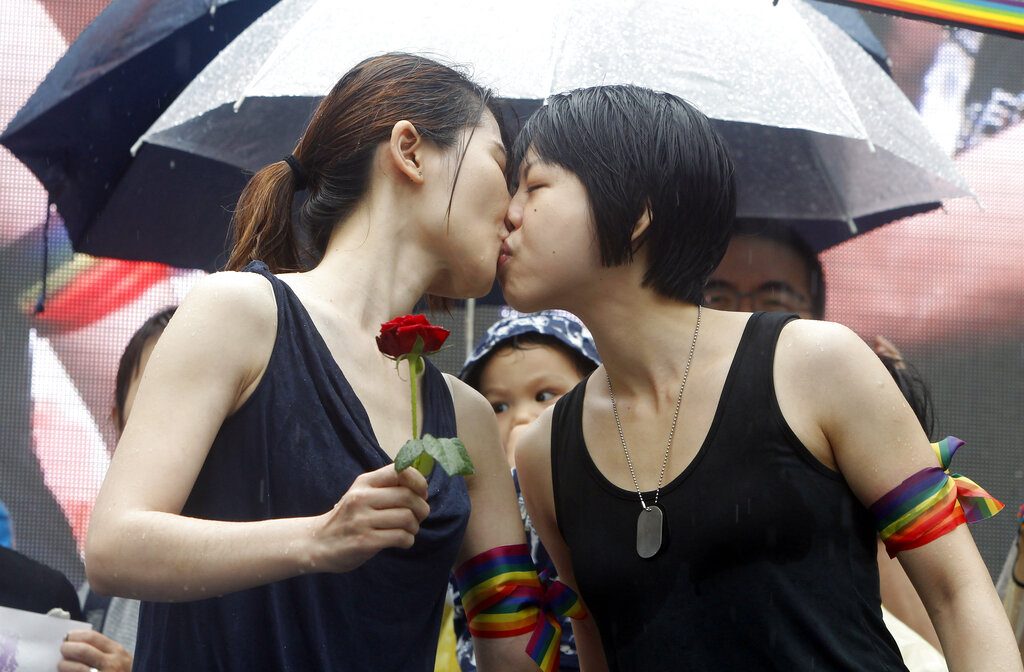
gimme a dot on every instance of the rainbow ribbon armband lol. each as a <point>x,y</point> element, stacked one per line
<point>931,503</point>
<point>504,597</point>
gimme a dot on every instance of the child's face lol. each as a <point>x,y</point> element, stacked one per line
<point>520,383</point>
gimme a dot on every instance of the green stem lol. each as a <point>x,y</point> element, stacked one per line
<point>414,365</point>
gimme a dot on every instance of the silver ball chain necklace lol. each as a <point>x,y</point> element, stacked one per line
<point>650,524</point>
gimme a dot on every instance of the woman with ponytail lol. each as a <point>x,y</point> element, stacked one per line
<point>253,504</point>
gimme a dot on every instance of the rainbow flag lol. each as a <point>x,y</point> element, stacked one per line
<point>999,16</point>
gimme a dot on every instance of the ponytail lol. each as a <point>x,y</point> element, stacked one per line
<point>335,154</point>
<point>262,223</point>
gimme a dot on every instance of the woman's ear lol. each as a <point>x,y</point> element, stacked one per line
<point>641,226</point>
<point>405,151</point>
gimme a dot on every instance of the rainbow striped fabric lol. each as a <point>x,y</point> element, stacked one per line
<point>931,503</point>
<point>559,601</point>
<point>504,597</point>
<point>1003,16</point>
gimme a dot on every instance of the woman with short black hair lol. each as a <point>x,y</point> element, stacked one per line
<point>713,489</point>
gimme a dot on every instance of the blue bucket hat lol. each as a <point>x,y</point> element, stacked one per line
<point>564,327</point>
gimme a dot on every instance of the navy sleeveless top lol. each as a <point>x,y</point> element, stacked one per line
<point>293,449</point>
<point>769,560</point>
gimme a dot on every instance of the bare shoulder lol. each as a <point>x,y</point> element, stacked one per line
<point>477,426</point>
<point>533,449</point>
<point>821,349</point>
<point>226,326</point>
<point>471,409</point>
<point>830,385</point>
<point>232,296</point>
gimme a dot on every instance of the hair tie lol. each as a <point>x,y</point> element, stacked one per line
<point>299,179</point>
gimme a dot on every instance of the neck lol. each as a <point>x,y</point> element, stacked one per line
<point>374,267</point>
<point>644,338</point>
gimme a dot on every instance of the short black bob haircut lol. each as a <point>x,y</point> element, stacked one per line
<point>636,150</point>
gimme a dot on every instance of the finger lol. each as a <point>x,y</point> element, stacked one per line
<point>414,480</point>
<point>96,639</point>
<point>380,478</point>
<point>394,539</point>
<point>393,498</point>
<point>71,666</point>
<point>395,519</point>
<point>80,652</point>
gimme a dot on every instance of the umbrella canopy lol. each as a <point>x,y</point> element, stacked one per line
<point>76,130</point>
<point>819,132</point>
<point>854,25</point>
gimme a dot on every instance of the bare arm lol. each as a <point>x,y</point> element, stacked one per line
<point>210,357</point>
<point>900,597</point>
<point>875,440</point>
<point>494,520</point>
<point>533,463</point>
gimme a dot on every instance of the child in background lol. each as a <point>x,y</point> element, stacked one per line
<point>522,365</point>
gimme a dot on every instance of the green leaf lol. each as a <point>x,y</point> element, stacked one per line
<point>412,449</point>
<point>451,454</point>
<point>424,464</point>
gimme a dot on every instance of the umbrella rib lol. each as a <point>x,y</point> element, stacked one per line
<point>833,192</point>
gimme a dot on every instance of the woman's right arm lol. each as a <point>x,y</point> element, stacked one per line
<point>533,465</point>
<point>208,360</point>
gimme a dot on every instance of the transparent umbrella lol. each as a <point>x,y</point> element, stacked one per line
<point>819,132</point>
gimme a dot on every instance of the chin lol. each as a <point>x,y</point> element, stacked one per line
<point>468,289</point>
<point>521,301</point>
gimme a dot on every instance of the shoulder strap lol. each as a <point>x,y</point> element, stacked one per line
<point>566,444</point>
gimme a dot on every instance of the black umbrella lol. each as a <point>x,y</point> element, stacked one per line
<point>125,68</point>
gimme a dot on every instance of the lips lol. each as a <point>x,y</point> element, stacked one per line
<point>504,255</point>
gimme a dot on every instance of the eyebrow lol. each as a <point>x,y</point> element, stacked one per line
<point>524,169</point>
<point>714,283</point>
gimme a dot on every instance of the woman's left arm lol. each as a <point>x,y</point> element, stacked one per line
<point>495,519</point>
<point>845,401</point>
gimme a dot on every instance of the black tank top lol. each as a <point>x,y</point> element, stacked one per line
<point>769,562</point>
<point>293,449</point>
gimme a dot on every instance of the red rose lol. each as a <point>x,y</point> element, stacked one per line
<point>398,336</point>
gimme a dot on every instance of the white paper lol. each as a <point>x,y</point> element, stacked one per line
<point>30,642</point>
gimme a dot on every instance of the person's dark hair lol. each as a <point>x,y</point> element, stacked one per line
<point>132,356</point>
<point>914,390</point>
<point>337,148</point>
<point>583,365</point>
<point>640,151</point>
<point>783,234</point>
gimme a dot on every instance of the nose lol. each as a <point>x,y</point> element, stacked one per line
<point>524,414</point>
<point>745,303</point>
<point>514,214</point>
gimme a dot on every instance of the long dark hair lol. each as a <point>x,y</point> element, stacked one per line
<point>337,148</point>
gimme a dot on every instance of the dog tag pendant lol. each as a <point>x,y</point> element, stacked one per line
<point>649,526</point>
